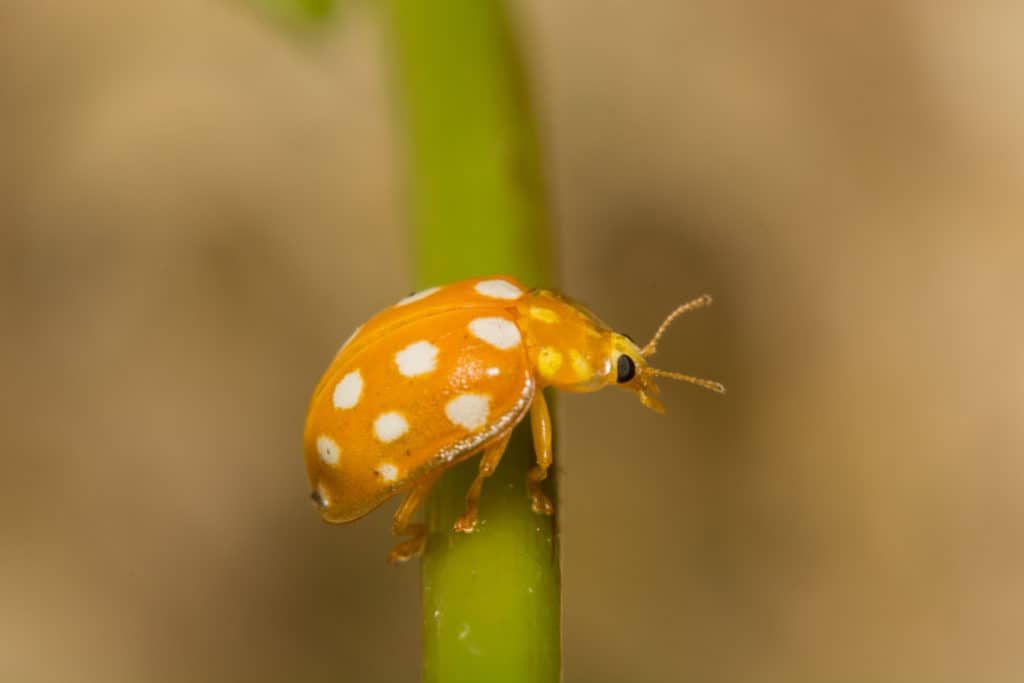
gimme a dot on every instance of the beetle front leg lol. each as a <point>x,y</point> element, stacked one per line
<point>401,524</point>
<point>466,522</point>
<point>540,425</point>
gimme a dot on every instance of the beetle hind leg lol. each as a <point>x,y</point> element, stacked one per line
<point>540,425</point>
<point>402,525</point>
<point>466,522</point>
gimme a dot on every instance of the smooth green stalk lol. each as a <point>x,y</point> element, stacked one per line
<point>491,601</point>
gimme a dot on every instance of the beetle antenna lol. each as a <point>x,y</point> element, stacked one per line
<point>717,387</point>
<point>700,302</point>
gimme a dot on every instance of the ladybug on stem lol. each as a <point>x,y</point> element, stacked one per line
<point>447,373</point>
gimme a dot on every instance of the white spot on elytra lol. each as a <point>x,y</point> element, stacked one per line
<point>492,372</point>
<point>390,426</point>
<point>498,289</point>
<point>417,296</point>
<point>417,358</point>
<point>348,390</point>
<point>387,472</point>
<point>468,410</point>
<point>328,450</point>
<point>498,332</point>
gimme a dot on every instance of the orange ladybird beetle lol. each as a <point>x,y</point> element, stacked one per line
<point>447,373</point>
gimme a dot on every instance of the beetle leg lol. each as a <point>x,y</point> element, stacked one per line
<point>540,425</point>
<point>401,524</point>
<point>488,463</point>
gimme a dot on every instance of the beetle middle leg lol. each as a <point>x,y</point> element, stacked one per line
<point>540,425</point>
<point>401,524</point>
<point>488,463</point>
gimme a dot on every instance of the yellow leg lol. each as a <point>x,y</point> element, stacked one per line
<point>540,424</point>
<point>401,524</point>
<point>488,463</point>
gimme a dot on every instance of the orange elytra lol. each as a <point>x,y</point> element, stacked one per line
<point>447,373</point>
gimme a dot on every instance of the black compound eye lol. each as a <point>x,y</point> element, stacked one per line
<point>626,368</point>
<point>318,499</point>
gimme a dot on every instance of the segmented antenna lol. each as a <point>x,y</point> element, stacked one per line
<point>700,302</point>
<point>706,383</point>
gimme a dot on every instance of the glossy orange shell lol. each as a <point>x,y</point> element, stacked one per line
<point>431,392</point>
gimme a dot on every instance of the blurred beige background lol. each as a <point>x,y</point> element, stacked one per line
<point>196,209</point>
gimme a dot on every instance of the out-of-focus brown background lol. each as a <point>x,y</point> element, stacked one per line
<point>196,208</point>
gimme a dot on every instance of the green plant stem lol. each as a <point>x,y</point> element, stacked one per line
<point>491,600</point>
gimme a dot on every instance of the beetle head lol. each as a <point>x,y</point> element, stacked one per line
<point>630,362</point>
